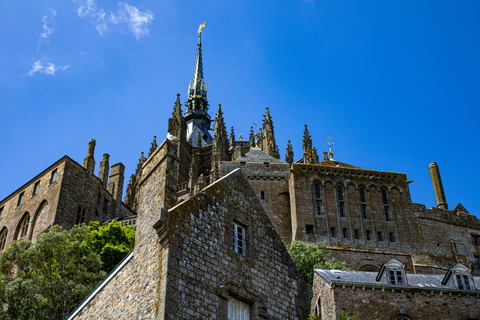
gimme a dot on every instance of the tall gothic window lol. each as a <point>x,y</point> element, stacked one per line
<point>317,191</point>
<point>3,238</point>
<point>22,228</point>
<point>238,310</point>
<point>384,198</point>
<point>339,193</point>
<point>362,195</point>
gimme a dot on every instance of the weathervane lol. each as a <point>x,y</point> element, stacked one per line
<point>330,144</point>
<point>201,27</point>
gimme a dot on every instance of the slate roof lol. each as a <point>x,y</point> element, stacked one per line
<point>257,155</point>
<point>368,277</point>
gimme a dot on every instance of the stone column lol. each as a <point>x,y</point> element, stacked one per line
<point>104,168</point>
<point>89,162</point>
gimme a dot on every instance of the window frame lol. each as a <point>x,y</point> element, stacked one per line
<point>235,239</point>
<point>317,191</point>
<point>20,199</point>
<point>36,188</point>
<point>3,238</point>
<point>53,176</point>
<point>363,199</point>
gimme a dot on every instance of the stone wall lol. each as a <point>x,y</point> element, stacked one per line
<point>272,180</point>
<point>137,291</point>
<point>391,302</point>
<point>204,270</point>
<point>40,207</point>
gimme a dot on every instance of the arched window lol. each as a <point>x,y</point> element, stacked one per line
<point>3,238</point>
<point>384,197</point>
<point>403,318</point>
<point>22,228</point>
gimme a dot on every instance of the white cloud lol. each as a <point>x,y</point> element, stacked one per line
<point>89,8</point>
<point>136,20</point>
<point>47,31</point>
<point>46,68</point>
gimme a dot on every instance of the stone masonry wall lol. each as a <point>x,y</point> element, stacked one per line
<point>40,207</point>
<point>84,191</point>
<point>138,290</point>
<point>272,180</point>
<point>203,268</point>
<point>419,304</point>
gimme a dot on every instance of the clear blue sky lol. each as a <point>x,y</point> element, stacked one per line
<point>396,84</point>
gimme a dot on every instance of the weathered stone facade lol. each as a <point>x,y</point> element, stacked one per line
<point>65,194</point>
<point>184,265</point>
<point>419,297</point>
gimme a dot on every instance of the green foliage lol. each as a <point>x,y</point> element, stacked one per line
<point>308,257</point>
<point>111,241</point>
<point>47,279</point>
<point>344,316</point>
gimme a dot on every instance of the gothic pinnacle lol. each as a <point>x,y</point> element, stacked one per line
<point>153,147</point>
<point>289,155</point>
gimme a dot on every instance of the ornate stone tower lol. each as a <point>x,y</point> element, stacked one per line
<point>220,144</point>
<point>196,115</point>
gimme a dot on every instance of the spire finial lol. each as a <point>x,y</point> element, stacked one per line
<point>330,144</point>
<point>201,27</point>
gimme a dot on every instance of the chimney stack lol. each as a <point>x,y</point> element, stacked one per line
<point>115,186</point>
<point>437,185</point>
<point>89,162</point>
<point>104,168</point>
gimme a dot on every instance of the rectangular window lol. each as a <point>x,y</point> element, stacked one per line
<point>387,216</point>
<point>309,229</point>
<point>317,191</point>
<point>238,239</point>
<point>36,187</point>
<point>396,277</point>
<point>367,233</point>
<point>20,199</point>
<point>364,211</point>
<point>362,195</point>
<point>476,266</point>
<point>391,237</point>
<point>262,195</point>
<point>379,236</point>
<point>339,193</point>
<point>319,208</point>
<point>340,207</point>
<point>356,234</point>
<point>384,197</point>
<point>53,177</point>
<point>467,282</point>
<point>1,211</point>
<point>238,310</point>
<point>332,232</point>
<point>476,240</point>
<point>344,231</point>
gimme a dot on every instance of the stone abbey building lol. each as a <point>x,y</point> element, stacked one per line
<point>213,213</point>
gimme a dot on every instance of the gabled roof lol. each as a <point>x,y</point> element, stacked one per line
<point>459,267</point>
<point>257,155</point>
<point>460,208</point>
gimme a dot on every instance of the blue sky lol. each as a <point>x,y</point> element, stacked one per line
<point>394,83</point>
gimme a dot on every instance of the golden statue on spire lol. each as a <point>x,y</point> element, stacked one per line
<point>201,27</point>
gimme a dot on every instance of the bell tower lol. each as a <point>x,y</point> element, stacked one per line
<point>196,116</point>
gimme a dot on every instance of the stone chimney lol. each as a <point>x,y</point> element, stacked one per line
<point>437,185</point>
<point>89,162</point>
<point>103,171</point>
<point>115,186</point>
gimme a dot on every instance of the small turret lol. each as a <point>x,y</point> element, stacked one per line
<point>437,185</point>
<point>104,168</point>
<point>269,145</point>
<point>232,138</point>
<point>89,162</point>
<point>154,146</point>
<point>115,186</point>
<point>289,155</point>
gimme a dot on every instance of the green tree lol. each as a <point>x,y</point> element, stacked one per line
<point>111,241</point>
<point>47,279</point>
<point>308,257</point>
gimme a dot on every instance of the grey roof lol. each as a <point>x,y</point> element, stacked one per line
<point>257,155</point>
<point>368,277</point>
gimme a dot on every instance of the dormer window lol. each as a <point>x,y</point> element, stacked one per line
<point>463,281</point>
<point>396,277</point>
<point>393,273</point>
<point>459,277</point>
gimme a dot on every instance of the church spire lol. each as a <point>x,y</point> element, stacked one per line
<point>289,155</point>
<point>196,115</point>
